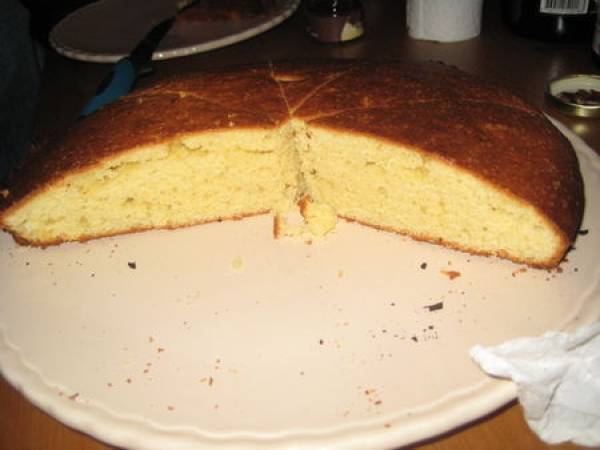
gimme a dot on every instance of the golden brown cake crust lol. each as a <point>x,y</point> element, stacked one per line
<point>181,106</point>
<point>475,125</point>
<point>522,154</point>
<point>459,118</point>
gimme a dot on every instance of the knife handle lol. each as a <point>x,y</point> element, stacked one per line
<point>118,83</point>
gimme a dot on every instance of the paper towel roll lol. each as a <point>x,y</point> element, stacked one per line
<point>443,20</point>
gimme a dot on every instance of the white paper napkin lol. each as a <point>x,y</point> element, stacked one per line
<point>558,381</point>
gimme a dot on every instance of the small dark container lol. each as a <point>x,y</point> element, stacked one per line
<point>335,20</point>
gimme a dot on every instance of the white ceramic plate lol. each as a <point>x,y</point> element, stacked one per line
<point>218,336</point>
<point>107,30</point>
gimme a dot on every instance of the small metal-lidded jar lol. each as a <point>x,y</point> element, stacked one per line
<point>577,95</point>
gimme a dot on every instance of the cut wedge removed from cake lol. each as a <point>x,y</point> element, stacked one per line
<point>419,149</point>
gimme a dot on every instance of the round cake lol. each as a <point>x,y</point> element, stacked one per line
<point>420,149</point>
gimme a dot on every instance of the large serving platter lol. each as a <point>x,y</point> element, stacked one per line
<point>107,30</point>
<point>219,336</point>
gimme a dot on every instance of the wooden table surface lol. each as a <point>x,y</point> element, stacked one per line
<point>522,64</point>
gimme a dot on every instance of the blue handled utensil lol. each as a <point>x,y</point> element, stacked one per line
<point>126,71</point>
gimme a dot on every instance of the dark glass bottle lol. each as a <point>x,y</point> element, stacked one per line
<point>552,20</point>
<point>596,40</point>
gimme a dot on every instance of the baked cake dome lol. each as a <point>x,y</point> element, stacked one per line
<point>420,149</point>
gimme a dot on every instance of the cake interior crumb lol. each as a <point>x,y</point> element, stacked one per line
<point>320,172</point>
